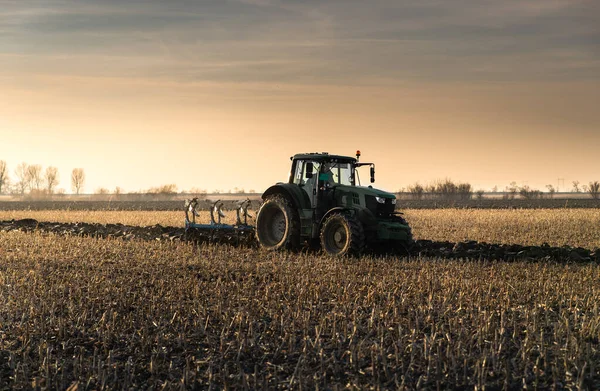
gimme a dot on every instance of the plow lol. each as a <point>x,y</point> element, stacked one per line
<point>216,230</point>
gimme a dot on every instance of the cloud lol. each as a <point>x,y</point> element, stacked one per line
<point>306,42</point>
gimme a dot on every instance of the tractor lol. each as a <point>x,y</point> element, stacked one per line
<point>323,206</point>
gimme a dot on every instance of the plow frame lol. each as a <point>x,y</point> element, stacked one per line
<point>215,229</point>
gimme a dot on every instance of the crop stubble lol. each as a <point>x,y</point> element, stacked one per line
<point>116,314</point>
<point>557,227</point>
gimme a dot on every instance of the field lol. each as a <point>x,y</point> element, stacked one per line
<point>557,227</point>
<point>109,313</point>
<point>231,200</point>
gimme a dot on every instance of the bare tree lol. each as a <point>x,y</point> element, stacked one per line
<point>551,190</point>
<point>416,190</point>
<point>576,187</point>
<point>77,179</point>
<point>512,190</point>
<point>594,189</point>
<point>34,174</point>
<point>22,175</point>
<point>52,179</point>
<point>3,176</point>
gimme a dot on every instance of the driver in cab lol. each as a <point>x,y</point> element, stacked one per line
<point>326,177</point>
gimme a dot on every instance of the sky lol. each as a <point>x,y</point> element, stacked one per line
<point>219,94</point>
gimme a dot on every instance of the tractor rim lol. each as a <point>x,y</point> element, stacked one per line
<point>336,238</point>
<point>274,226</point>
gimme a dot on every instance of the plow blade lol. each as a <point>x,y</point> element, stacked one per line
<point>216,231</point>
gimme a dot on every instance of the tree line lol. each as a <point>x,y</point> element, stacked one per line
<point>34,179</point>
<point>447,189</point>
<point>528,193</point>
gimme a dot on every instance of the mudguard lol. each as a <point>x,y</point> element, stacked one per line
<point>292,191</point>
<point>331,211</point>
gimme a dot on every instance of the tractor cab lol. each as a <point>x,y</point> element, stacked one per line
<point>323,202</point>
<point>318,175</point>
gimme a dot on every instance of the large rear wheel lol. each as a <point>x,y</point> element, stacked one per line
<point>278,224</point>
<point>342,235</point>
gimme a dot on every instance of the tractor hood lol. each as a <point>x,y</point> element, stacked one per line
<point>366,190</point>
<point>375,192</point>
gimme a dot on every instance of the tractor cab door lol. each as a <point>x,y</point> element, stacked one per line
<point>307,177</point>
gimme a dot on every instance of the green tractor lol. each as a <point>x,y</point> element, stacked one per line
<point>322,205</point>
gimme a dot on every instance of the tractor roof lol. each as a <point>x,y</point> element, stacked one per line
<point>323,156</point>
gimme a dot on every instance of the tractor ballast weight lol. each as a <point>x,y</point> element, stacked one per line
<point>321,204</point>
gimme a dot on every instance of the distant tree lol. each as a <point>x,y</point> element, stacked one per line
<point>77,179</point>
<point>528,193</point>
<point>576,187</point>
<point>512,190</point>
<point>101,191</point>
<point>52,179</point>
<point>416,190</point>
<point>431,190</point>
<point>168,189</point>
<point>551,190</point>
<point>495,189</point>
<point>479,194</point>
<point>594,189</point>
<point>447,189</point>
<point>118,191</point>
<point>34,175</point>
<point>465,191</point>
<point>251,191</point>
<point>163,190</point>
<point>4,180</point>
<point>22,175</point>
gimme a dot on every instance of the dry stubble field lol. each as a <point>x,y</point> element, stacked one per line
<point>114,314</point>
<point>557,227</point>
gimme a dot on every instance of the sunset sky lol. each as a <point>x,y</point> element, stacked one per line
<point>219,94</point>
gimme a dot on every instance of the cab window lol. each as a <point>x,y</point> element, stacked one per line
<point>297,179</point>
<point>339,173</point>
<point>300,173</point>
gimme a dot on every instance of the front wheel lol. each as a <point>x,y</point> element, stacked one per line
<point>342,235</point>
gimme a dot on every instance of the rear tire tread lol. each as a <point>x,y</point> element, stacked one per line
<point>292,241</point>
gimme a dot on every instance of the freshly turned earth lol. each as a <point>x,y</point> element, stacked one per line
<point>204,204</point>
<point>420,248</point>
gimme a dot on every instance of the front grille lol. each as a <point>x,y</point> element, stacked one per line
<point>380,209</point>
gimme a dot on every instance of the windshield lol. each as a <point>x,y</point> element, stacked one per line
<point>341,173</point>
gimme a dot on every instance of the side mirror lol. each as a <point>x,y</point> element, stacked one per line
<point>309,170</point>
<point>372,174</point>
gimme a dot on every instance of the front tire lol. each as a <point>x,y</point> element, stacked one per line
<point>278,224</point>
<point>342,235</point>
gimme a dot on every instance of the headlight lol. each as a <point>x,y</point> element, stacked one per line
<point>381,200</point>
<point>394,201</point>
